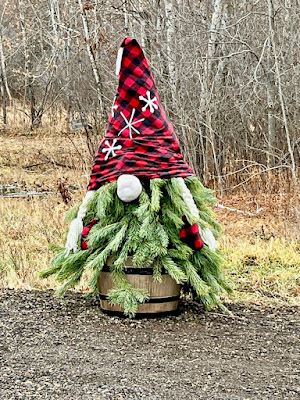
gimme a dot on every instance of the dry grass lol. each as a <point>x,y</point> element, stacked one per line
<point>263,252</point>
<point>264,272</point>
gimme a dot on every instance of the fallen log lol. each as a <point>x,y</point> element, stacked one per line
<point>7,188</point>
<point>239,211</point>
<point>24,194</point>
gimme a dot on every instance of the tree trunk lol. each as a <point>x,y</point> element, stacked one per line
<point>28,80</point>
<point>280,92</point>
<point>126,17</point>
<point>92,58</point>
<point>211,70</point>
<point>54,14</point>
<point>3,67</point>
<point>271,89</point>
<point>170,27</point>
<point>142,22</point>
<point>3,99</point>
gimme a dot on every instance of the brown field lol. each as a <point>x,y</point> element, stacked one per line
<point>263,251</point>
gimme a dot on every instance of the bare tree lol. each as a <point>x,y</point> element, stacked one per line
<point>84,7</point>
<point>280,89</point>
<point>271,86</point>
<point>227,72</point>
<point>4,87</point>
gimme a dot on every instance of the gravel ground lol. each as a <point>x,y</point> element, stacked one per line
<point>68,349</point>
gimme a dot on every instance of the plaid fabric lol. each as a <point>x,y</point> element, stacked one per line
<point>190,235</point>
<point>140,140</point>
<point>85,232</point>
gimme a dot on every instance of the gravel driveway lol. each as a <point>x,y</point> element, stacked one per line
<point>68,349</point>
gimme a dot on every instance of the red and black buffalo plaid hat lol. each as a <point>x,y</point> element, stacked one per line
<point>140,140</point>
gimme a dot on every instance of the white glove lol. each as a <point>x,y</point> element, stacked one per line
<point>76,225</point>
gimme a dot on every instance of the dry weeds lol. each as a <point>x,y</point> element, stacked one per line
<point>263,252</point>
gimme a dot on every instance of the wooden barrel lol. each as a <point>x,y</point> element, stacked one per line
<point>163,296</point>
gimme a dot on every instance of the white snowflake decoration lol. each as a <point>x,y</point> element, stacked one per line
<point>129,124</point>
<point>110,150</point>
<point>149,102</point>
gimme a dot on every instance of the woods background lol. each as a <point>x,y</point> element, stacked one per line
<point>227,72</point>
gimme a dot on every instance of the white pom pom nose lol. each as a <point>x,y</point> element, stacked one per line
<point>129,187</point>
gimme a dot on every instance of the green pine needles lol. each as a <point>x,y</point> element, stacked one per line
<point>148,231</point>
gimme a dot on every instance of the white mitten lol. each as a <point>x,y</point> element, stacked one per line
<point>76,225</point>
<point>129,187</point>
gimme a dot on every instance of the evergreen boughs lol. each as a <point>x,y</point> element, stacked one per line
<point>156,186</point>
<point>204,197</point>
<point>174,191</point>
<point>148,231</point>
<point>129,297</point>
<point>72,213</point>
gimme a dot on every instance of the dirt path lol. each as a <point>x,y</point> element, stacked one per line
<point>68,349</point>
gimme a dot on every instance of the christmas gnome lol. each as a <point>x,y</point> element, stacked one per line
<point>143,201</point>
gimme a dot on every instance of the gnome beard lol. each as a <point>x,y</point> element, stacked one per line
<point>144,203</point>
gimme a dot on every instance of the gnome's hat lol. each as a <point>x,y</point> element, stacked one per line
<point>140,140</point>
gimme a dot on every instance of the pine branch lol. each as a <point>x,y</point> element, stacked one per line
<point>173,270</point>
<point>156,193</point>
<point>199,286</point>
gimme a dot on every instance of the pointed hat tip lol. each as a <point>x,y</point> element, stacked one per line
<point>129,40</point>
